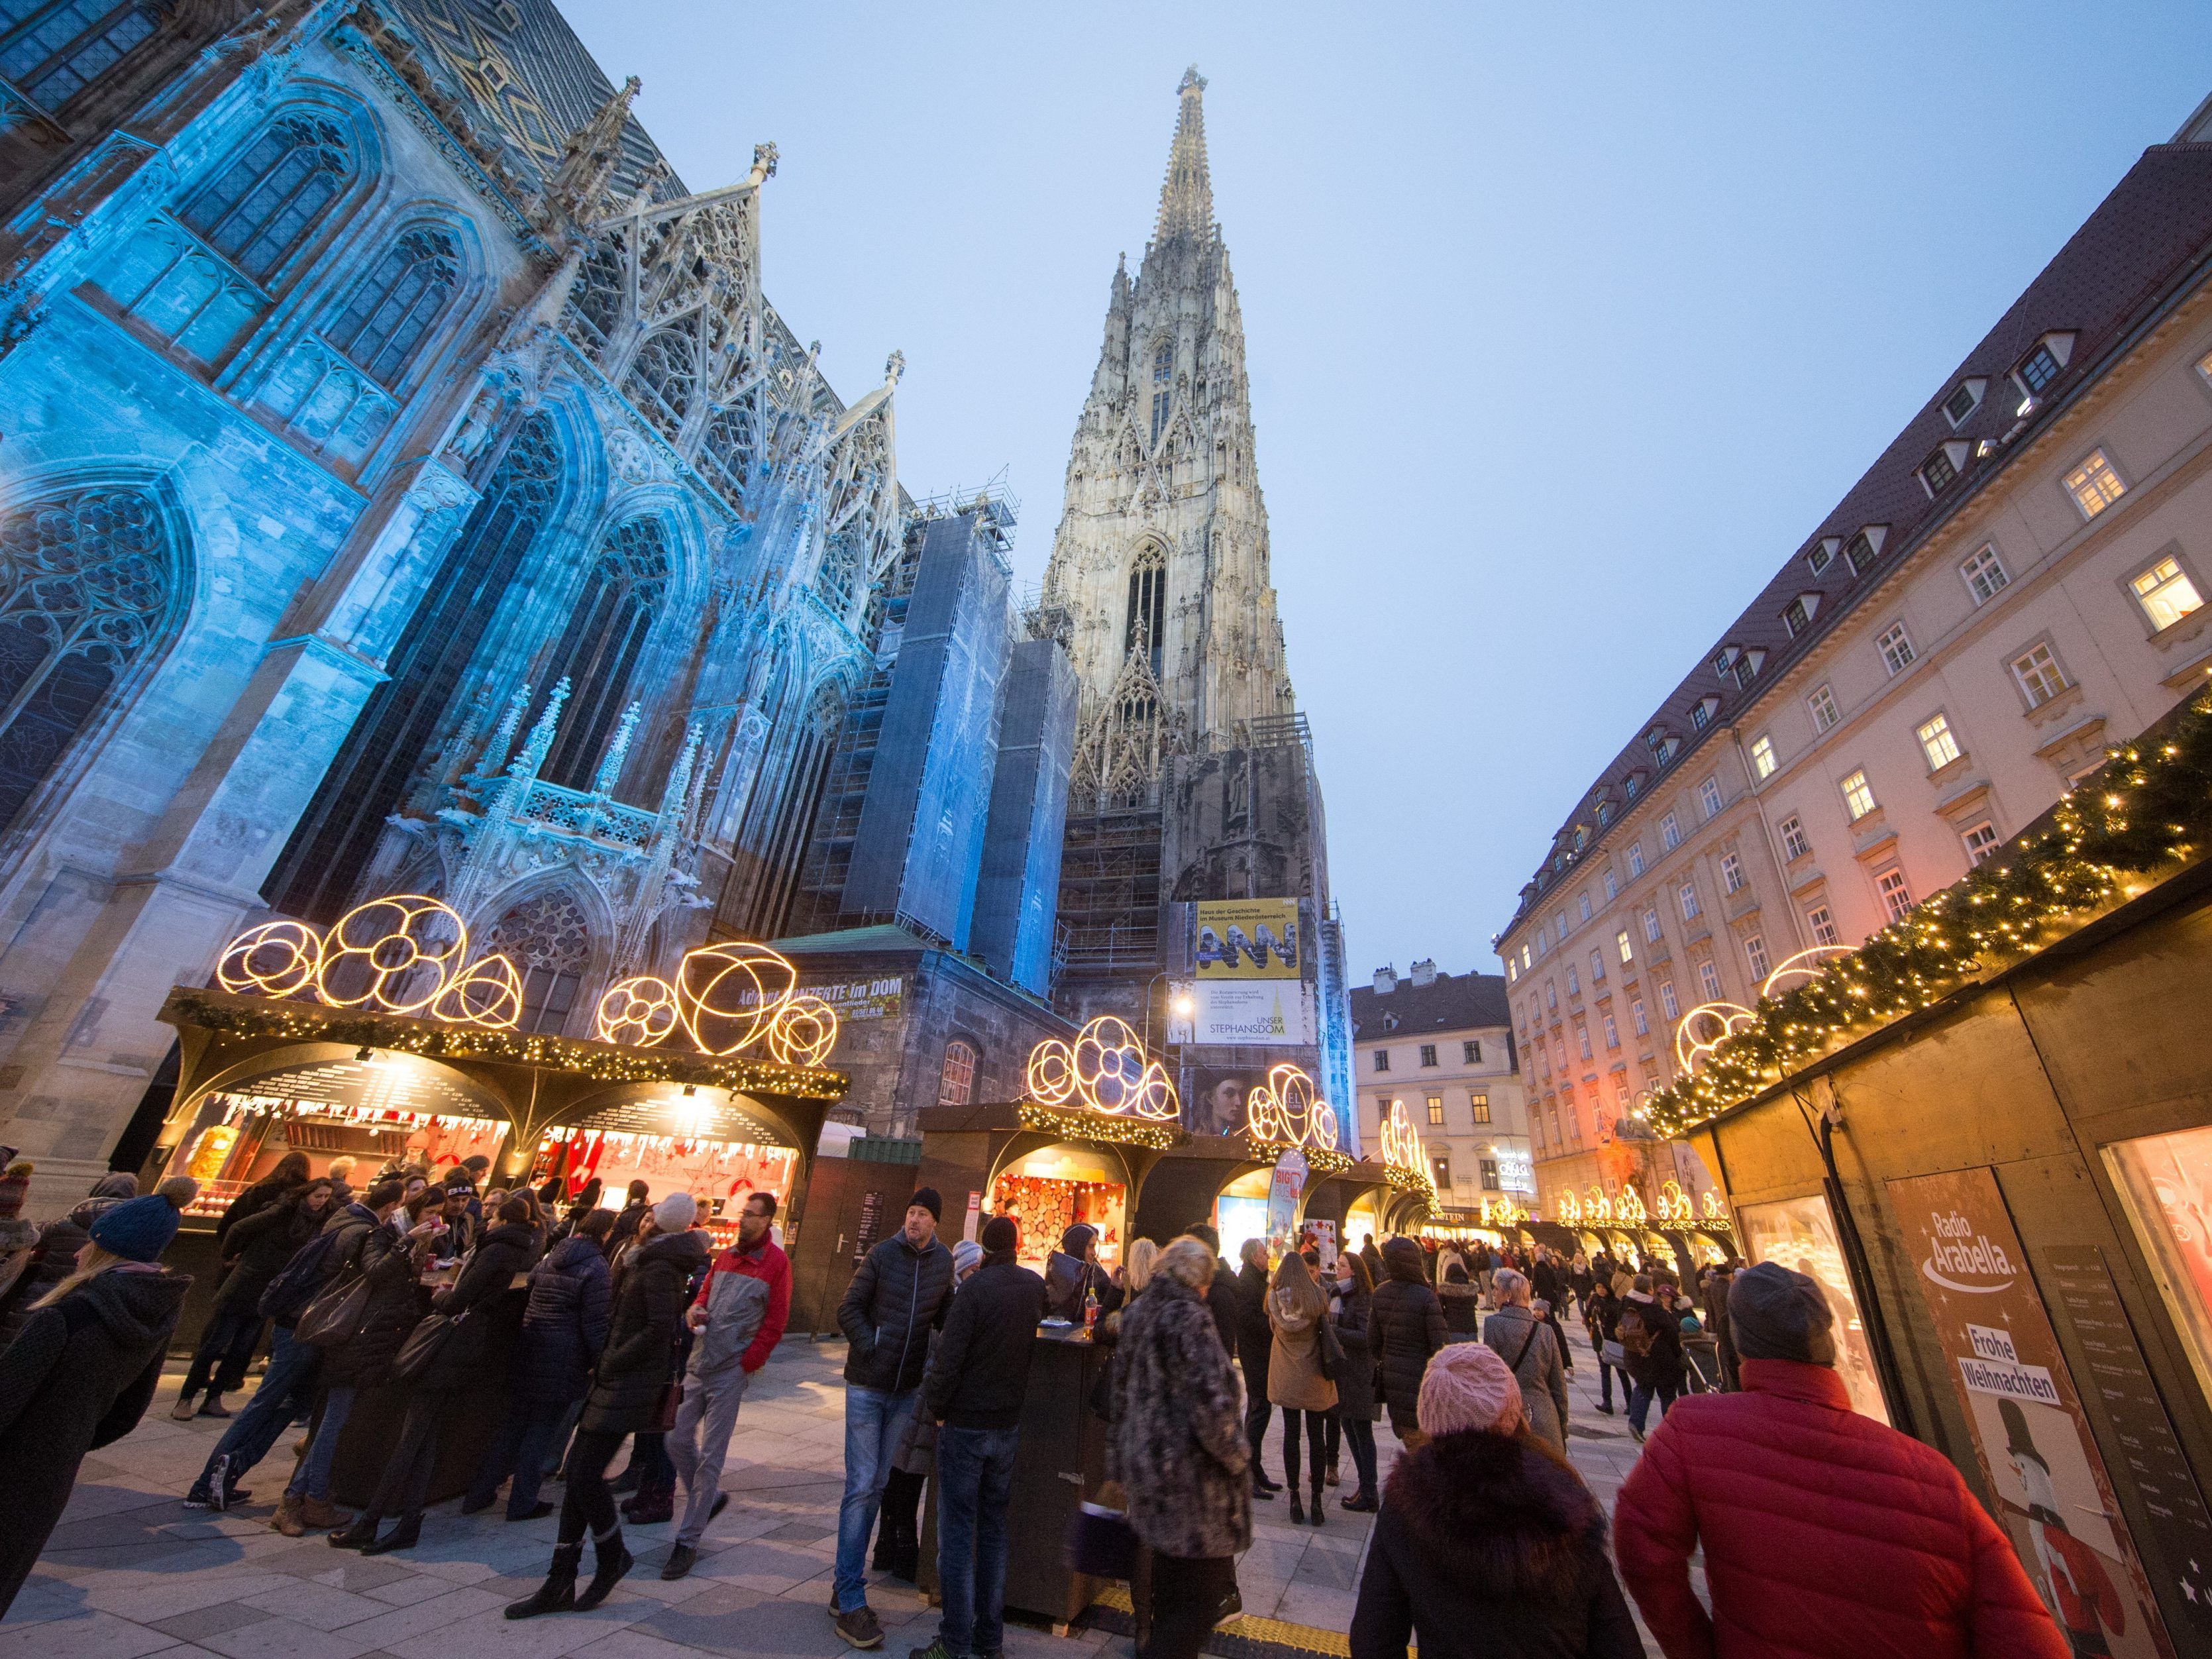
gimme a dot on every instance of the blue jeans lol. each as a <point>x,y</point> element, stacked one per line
<point>312,1478</point>
<point>1640,1397</point>
<point>975,1485</point>
<point>286,1396</point>
<point>518,1449</point>
<point>874,1421</point>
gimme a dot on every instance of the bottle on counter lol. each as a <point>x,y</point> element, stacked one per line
<point>1090,1306</point>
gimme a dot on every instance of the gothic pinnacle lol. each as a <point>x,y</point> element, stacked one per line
<point>1186,195</point>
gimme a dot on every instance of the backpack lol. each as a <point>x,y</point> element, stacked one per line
<point>1635,1334</point>
<point>292,1290</point>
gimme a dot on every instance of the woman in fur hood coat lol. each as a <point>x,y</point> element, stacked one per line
<point>1488,1545</point>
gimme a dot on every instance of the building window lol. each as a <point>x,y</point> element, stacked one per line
<point>1795,617</point>
<point>1582,1038</point>
<point>1159,416</point>
<point>1688,894</point>
<point>1822,702</point>
<point>1562,926</point>
<point>1163,373</point>
<point>2165,594</point>
<point>2039,675</point>
<point>1936,471</point>
<point>1620,944</point>
<point>1490,1175</point>
<point>1896,648</point>
<point>1597,966</point>
<point>2093,485</point>
<point>1440,1167</point>
<point>1860,551</point>
<point>1478,1105</point>
<point>1670,833</point>
<point>1612,1033</point>
<point>1651,925</point>
<point>1823,926</point>
<point>1701,715</point>
<point>1938,742</point>
<point>261,208</point>
<point>1817,555</point>
<point>1574,982</point>
<point>1710,977</point>
<point>1762,757</point>
<point>54,51</point>
<point>1581,902</point>
<point>1754,952</point>
<point>1981,841</point>
<point>1604,813</point>
<point>1636,1018</point>
<point>1731,872</point>
<point>956,1081</point>
<point>1635,859</point>
<point>1436,1110</point>
<point>1984,575</point>
<point>1612,887</point>
<point>1896,897</point>
<point>1794,844</point>
<point>1629,787</point>
<point>398,304</point>
<point>1960,404</point>
<point>1381,1060</point>
<point>1429,1054</point>
<point>608,622</point>
<point>1551,995</point>
<point>2040,369</point>
<point>1858,795</point>
<point>1470,1052</point>
<point>1708,796</point>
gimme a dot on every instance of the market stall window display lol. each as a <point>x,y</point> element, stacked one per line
<point>1049,1191</point>
<point>719,1175</point>
<point>1240,1212</point>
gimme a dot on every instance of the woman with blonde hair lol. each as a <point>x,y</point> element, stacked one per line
<point>1296,1306</point>
<point>1138,1271</point>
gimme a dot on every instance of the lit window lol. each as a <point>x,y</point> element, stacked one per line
<point>1512,970</point>
<point>2093,485</point>
<point>1429,1049</point>
<point>1651,925</point>
<point>1581,901</point>
<point>1620,944</point>
<point>1667,1003</point>
<point>1688,894</point>
<point>2039,675</point>
<point>1436,1110</point>
<point>1936,471</point>
<point>1709,977</point>
<point>1754,952</point>
<point>1762,757</point>
<point>1612,887</point>
<point>1938,742</point>
<point>1636,1018</point>
<point>1582,1038</point>
<point>1896,649</point>
<point>1574,984</point>
<point>1471,1051</point>
<point>1670,833</point>
<point>2040,369</point>
<point>1612,1033</point>
<point>1732,872</point>
<point>1481,1106</point>
<point>1984,575</point>
<point>1524,957</point>
<point>1381,1060</point>
<point>1708,796</point>
<point>2165,594</point>
<point>1794,843</point>
<point>956,1081</point>
<point>1823,926</point>
<point>1858,795</point>
<point>1981,841</point>
<point>1822,702</point>
<point>1896,897</point>
<point>1635,859</point>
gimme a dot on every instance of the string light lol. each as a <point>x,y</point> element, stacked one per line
<point>1403,1164</point>
<point>1106,1070</point>
<point>805,1031</point>
<point>1285,1110</point>
<point>1123,1131</point>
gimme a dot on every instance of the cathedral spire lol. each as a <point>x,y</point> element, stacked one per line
<point>1187,197</point>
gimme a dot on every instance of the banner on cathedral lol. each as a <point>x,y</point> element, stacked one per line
<point>1256,1013</point>
<point>1247,940</point>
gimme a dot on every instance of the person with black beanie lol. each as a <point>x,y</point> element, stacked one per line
<point>1221,1298</point>
<point>1072,1272</point>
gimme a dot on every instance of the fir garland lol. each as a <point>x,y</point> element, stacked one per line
<point>2147,812</point>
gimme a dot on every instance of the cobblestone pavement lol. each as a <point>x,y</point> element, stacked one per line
<point>131,1571</point>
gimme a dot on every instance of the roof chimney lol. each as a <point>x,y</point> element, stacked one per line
<point>1386,980</point>
<point>1425,972</point>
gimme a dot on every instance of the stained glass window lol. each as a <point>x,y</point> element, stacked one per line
<point>265,204</point>
<point>52,49</point>
<point>397,303</point>
<point>599,649</point>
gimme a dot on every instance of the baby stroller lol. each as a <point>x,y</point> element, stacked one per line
<point>1701,1357</point>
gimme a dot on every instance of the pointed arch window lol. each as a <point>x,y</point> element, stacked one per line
<point>550,943</point>
<point>726,455</point>
<point>661,378</point>
<point>85,583</point>
<point>398,303</point>
<point>595,303</point>
<point>1148,605</point>
<point>53,50</point>
<point>598,652</point>
<point>261,209</point>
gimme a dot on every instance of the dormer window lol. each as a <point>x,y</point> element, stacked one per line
<point>1747,667</point>
<point>1630,785</point>
<point>1865,548</point>
<point>2044,365</point>
<point>1702,716</point>
<point>1797,616</point>
<point>1964,400</point>
<point>1948,461</point>
<point>1822,553</point>
<point>1604,813</point>
<point>1722,658</point>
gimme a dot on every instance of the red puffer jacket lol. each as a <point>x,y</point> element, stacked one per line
<point>1827,1534</point>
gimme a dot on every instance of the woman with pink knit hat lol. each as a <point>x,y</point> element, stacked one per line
<point>1488,1545</point>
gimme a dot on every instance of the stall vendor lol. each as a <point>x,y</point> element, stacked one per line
<point>1072,1271</point>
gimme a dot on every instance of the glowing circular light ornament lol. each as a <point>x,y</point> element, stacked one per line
<point>1051,1073</point>
<point>1401,1147</point>
<point>1803,966</point>
<point>729,995</point>
<point>1285,1110</point>
<point>1705,1027</point>
<point>489,994</point>
<point>1105,1070</point>
<point>638,1012</point>
<point>805,1031</point>
<point>405,951</point>
<point>276,959</point>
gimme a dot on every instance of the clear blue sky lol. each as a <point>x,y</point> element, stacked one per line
<point>1565,324</point>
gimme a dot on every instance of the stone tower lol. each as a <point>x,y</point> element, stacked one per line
<point>1159,569</point>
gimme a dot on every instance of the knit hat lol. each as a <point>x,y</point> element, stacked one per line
<point>1467,1386</point>
<point>675,1212</point>
<point>999,1233</point>
<point>927,1197</point>
<point>1775,1314</point>
<point>1076,1240</point>
<point>137,1230</point>
<point>965,1255</point>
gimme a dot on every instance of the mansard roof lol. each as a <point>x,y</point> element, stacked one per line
<point>2148,241</point>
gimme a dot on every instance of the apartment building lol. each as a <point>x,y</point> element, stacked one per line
<point>2018,581</point>
<point>1438,1047</point>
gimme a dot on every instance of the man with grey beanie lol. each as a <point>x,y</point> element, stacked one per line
<point>1827,1534</point>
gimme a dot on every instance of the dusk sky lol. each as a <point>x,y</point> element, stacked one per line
<point>1564,331</point>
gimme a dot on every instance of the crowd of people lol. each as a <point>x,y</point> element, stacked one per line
<point>628,1325</point>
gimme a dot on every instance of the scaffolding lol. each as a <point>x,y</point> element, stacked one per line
<point>1110,894</point>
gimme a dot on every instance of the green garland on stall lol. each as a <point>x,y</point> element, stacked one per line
<point>2147,812</point>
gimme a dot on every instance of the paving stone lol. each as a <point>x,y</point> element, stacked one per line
<point>211,1622</point>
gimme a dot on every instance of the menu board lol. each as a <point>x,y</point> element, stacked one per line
<point>2037,1453</point>
<point>2120,1383</point>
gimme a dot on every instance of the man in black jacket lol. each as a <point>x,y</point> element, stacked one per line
<point>1255,1341</point>
<point>1222,1300</point>
<point>899,1294</point>
<point>975,1389</point>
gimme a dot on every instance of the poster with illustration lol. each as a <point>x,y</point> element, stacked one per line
<point>1215,1102</point>
<point>1246,938</point>
<point>1800,1235</point>
<point>2054,1496</point>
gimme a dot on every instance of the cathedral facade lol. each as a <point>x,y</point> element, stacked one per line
<point>404,486</point>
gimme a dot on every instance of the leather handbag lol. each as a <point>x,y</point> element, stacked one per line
<point>336,1316</point>
<point>1329,1351</point>
<point>433,1337</point>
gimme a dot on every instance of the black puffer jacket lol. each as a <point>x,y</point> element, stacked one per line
<point>1255,1338</point>
<point>1355,1380</point>
<point>565,1324</point>
<point>1488,1549</point>
<point>642,1353</point>
<point>263,1242</point>
<point>506,1251</point>
<point>395,1299</point>
<point>899,1295</point>
<point>1405,1325</point>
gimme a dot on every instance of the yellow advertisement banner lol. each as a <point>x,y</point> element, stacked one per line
<point>1248,938</point>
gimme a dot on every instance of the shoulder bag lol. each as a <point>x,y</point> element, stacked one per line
<point>336,1316</point>
<point>1328,1350</point>
<point>427,1344</point>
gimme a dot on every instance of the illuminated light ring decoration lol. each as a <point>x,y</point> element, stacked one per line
<point>1674,1204</point>
<point>1598,1207</point>
<point>713,988</point>
<point>276,959</point>
<point>1401,1146</point>
<point>1730,1016</point>
<point>1801,964</point>
<point>805,1031</point>
<point>1630,1211</point>
<point>397,938</point>
<point>1285,1110</point>
<point>1568,1208</point>
<point>1104,1070</point>
<point>638,1012</point>
<point>489,994</point>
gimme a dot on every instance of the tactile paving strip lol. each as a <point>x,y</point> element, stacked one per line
<point>1245,1636</point>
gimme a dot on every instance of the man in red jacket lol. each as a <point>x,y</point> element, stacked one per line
<point>1827,1535</point>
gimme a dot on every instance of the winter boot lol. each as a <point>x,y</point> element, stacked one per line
<point>612,1560</point>
<point>558,1593</point>
<point>320,1515</point>
<point>405,1536</point>
<point>360,1534</point>
<point>287,1519</point>
<point>1320,1507</point>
